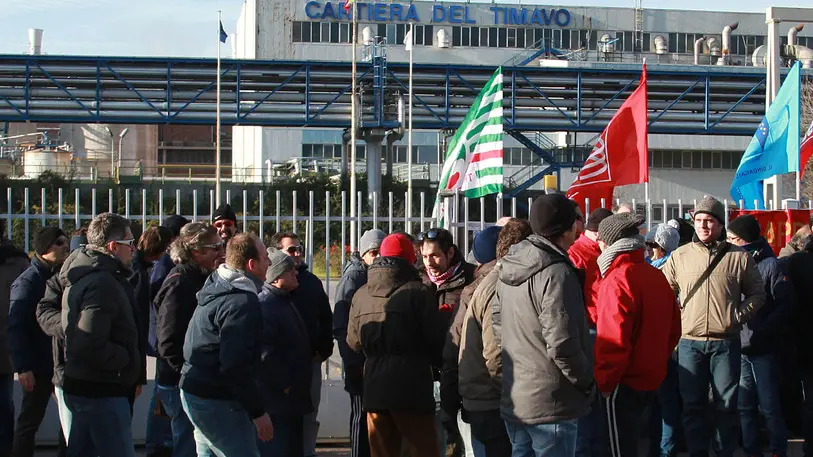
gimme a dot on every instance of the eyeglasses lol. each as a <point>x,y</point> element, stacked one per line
<point>128,243</point>
<point>215,245</point>
<point>223,223</point>
<point>294,250</point>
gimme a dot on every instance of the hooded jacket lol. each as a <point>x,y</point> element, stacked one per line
<point>285,376</point>
<point>30,346</point>
<point>766,330</point>
<point>173,307</point>
<point>584,255</point>
<point>103,354</point>
<point>799,268</point>
<point>222,347</point>
<point>730,296</point>
<point>353,277</point>
<point>312,301</point>
<point>547,356</point>
<point>638,325</point>
<point>13,262</point>
<point>394,320</point>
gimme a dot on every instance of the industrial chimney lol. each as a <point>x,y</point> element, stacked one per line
<point>35,42</point>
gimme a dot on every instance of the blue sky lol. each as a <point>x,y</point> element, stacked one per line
<point>184,28</point>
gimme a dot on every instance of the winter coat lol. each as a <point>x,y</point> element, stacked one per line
<point>157,273</point>
<point>313,302</point>
<point>285,375</point>
<point>584,255</point>
<point>222,347</point>
<point>30,346</point>
<point>638,325</point>
<point>394,320</point>
<point>547,355</point>
<point>13,262</point>
<point>140,281</point>
<point>103,353</point>
<point>480,363</point>
<point>49,318</point>
<point>765,332</point>
<point>730,296</point>
<point>173,307</point>
<point>799,268</point>
<point>353,277</point>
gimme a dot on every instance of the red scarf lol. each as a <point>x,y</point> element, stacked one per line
<point>443,277</point>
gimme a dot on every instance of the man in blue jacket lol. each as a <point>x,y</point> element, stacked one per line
<point>221,352</point>
<point>762,340</point>
<point>30,346</point>
<point>286,359</point>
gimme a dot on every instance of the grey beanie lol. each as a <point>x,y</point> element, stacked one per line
<point>371,240</point>
<point>619,226</point>
<point>278,263</point>
<point>665,236</point>
<point>712,206</point>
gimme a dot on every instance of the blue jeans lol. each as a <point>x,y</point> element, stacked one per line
<point>590,440</point>
<point>715,362</point>
<point>6,413</point>
<point>106,422</point>
<point>759,391</point>
<point>159,428</point>
<point>666,415</point>
<point>222,427</point>
<point>288,440</point>
<point>543,440</point>
<point>183,432</point>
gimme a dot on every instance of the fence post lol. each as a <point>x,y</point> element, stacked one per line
<point>665,212</point>
<point>294,214</point>
<point>178,210</point>
<point>93,203</point>
<point>228,196</point>
<point>466,225</point>
<point>499,207</point>
<point>25,216</point>
<point>211,204</point>
<point>262,214</point>
<point>194,205</point>
<point>42,210</point>
<point>423,211</point>
<point>59,208</point>
<point>311,230</point>
<point>680,209</point>
<point>390,211</point>
<point>144,209</point>
<point>327,241</point>
<point>110,208</point>
<point>514,207</point>
<point>587,208</point>
<point>359,223</point>
<point>725,203</point>
<point>8,217</point>
<point>245,210</point>
<point>127,204</point>
<point>77,221</point>
<point>279,208</point>
<point>344,229</point>
<point>160,206</point>
<point>649,214</point>
<point>482,214</point>
<point>375,209</point>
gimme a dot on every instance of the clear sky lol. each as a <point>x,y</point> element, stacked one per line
<point>186,28</point>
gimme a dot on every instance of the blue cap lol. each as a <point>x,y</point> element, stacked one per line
<point>485,245</point>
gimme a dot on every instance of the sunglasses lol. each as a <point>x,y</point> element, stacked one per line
<point>223,223</point>
<point>431,235</point>
<point>129,243</point>
<point>215,245</point>
<point>294,250</point>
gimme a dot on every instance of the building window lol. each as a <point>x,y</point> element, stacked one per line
<point>456,36</point>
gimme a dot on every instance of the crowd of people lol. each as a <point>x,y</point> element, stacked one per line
<point>553,337</point>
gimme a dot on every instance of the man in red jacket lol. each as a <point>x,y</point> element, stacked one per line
<point>638,326</point>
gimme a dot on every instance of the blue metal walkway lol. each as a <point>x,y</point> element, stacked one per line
<point>582,98</point>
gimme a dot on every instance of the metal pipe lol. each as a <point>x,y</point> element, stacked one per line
<point>698,49</point>
<point>727,40</point>
<point>792,34</point>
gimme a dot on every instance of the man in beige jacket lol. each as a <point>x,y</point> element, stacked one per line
<point>719,288</point>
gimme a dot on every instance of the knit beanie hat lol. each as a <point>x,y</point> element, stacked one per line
<point>44,237</point>
<point>398,245</point>
<point>371,240</point>
<point>745,227</point>
<point>712,206</point>
<point>224,211</point>
<point>596,217</point>
<point>619,226</point>
<point>77,241</point>
<point>552,215</point>
<point>175,223</point>
<point>485,245</point>
<point>279,262</point>
<point>665,236</point>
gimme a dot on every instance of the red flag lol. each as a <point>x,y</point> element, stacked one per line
<point>806,149</point>
<point>621,154</point>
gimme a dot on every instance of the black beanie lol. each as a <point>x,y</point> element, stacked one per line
<point>44,237</point>
<point>745,227</point>
<point>224,211</point>
<point>552,215</point>
<point>175,223</point>
<point>596,217</point>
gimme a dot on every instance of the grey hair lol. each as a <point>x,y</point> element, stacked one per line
<point>192,238</point>
<point>107,227</point>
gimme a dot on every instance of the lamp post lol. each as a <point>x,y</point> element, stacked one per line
<point>112,153</point>
<point>121,138</point>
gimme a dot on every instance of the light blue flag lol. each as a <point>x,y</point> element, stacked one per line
<point>774,149</point>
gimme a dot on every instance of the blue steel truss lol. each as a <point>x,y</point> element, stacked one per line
<point>682,99</point>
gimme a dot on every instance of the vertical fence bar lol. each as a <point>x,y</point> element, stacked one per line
<point>514,207</point>
<point>294,212</point>
<point>76,209</point>
<point>375,210</point>
<point>160,207</point>
<point>344,229</point>
<point>390,210</point>
<point>634,206</point>
<point>742,204</point>
<point>8,216</point>
<point>530,203</point>
<point>407,215</point>
<point>178,209</point>
<point>127,203</point>
<point>649,214</point>
<point>456,219</point>
<point>26,203</point>
<point>680,209</point>
<point>262,214</point>
<point>482,213</point>
<point>423,211</point>
<point>466,225</point>
<point>311,230</point>
<point>144,208</point>
<point>665,211</point>
<point>810,204</point>
<point>42,208</point>
<point>603,202</point>
<point>279,209</point>
<point>110,208</point>
<point>499,207</point>
<point>587,207</point>
<point>211,204</point>
<point>59,207</point>
<point>327,241</point>
<point>194,205</point>
<point>725,204</point>
<point>228,196</point>
<point>359,220</point>
<point>93,203</point>
<point>245,210</point>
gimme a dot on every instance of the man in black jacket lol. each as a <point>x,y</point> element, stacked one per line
<point>30,347</point>
<point>353,277</point>
<point>221,352</point>
<point>195,252</point>
<point>313,303</point>
<point>104,361</point>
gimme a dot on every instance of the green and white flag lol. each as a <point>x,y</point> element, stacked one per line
<point>475,156</point>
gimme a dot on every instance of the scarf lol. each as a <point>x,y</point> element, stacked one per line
<point>659,263</point>
<point>443,277</point>
<point>619,247</point>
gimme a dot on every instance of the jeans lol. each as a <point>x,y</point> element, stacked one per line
<point>287,440</point>
<point>222,427</point>
<point>472,447</point>
<point>624,408</point>
<point>32,411</point>
<point>759,391</point>
<point>590,436</point>
<point>666,415</point>
<point>488,428</point>
<point>311,430</point>
<point>6,413</point>
<point>159,428</point>
<point>183,432</point>
<point>543,440</point>
<point>715,362</point>
<point>105,421</point>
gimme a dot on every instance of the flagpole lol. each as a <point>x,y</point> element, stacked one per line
<point>217,118</point>
<point>799,153</point>
<point>409,132</point>
<point>353,234</point>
